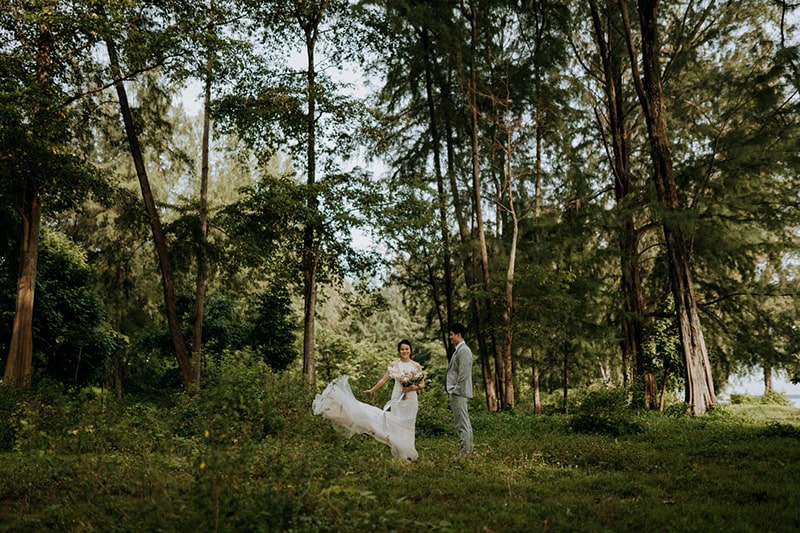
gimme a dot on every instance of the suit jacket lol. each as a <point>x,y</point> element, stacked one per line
<point>458,378</point>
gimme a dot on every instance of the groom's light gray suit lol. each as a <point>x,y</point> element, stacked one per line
<point>458,382</point>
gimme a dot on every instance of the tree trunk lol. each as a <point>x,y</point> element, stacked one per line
<point>470,268</point>
<point>537,208</point>
<point>310,27</point>
<point>508,293</point>
<point>200,280</point>
<point>768,380</point>
<point>663,397</point>
<point>476,193</point>
<point>19,363</point>
<point>537,400</point>
<point>632,321</point>
<point>159,237</point>
<point>437,165</point>
<point>650,395</point>
<point>699,381</point>
<point>566,379</point>
<point>20,353</point>
<point>117,369</point>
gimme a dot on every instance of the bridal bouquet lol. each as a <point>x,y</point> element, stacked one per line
<point>407,378</point>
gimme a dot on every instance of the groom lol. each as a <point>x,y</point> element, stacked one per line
<point>458,382</point>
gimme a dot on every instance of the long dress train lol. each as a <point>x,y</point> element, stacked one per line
<point>394,425</point>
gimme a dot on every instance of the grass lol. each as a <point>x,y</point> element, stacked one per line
<point>225,463</point>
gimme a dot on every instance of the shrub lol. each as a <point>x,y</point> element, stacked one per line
<point>605,412</point>
<point>434,417</point>
<point>776,398</point>
<point>677,410</point>
<point>778,429</point>
<point>10,400</point>
<point>737,399</point>
<point>235,405</point>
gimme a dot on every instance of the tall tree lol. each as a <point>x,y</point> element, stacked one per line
<point>471,11</point>
<point>159,237</point>
<point>436,143</point>
<point>700,393</point>
<point>44,49</point>
<point>274,110</point>
<point>310,17</point>
<point>200,283</point>
<point>743,182</point>
<point>149,41</point>
<point>620,134</point>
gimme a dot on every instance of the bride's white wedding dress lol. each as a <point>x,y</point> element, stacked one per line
<point>393,425</point>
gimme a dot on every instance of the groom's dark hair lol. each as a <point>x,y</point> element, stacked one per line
<point>459,329</point>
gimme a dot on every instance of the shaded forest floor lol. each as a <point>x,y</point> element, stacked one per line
<point>247,455</point>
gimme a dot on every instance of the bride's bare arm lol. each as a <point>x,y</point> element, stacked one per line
<point>381,382</point>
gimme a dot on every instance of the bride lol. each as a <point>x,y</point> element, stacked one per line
<point>395,423</point>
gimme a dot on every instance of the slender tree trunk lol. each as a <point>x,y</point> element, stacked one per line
<point>663,397</point>
<point>537,203</point>
<point>310,26</point>
<point>566,378</point>
<point>630,283</point>
<point>508,293</point>
<point>200,280</point>
<point>159,237</point>
<point>437,305</point>
<point>768,380</point>
<point>118,361</point>
<point>476,193</point>
<point>470,276</point>
<point>699,381</point>
<point>119,391</point>
<point>537,399</point>
<point>437,165</point>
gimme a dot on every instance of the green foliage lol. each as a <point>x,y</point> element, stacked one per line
<point>662,350</point>
<point>72,339</point>
<point>677,410</point>
<point>605,412</point>
<point>235,405</point>
<point>213,462</point>
<point>73,343</point>
<point>10,419</point>
<point>771,398</point>
<point>225,324</point>
<point>776,398</point>
<point>274,335</point>
<point>743,399</point>
<point>780,429</point>
<point>206,463</point>
<point>434,418</point>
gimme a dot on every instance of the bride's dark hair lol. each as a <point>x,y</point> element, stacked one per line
<point>404,341</point>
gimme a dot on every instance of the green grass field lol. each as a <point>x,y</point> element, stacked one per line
<point>249,456</point>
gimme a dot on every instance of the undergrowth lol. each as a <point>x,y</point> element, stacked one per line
<point>246,454</point>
